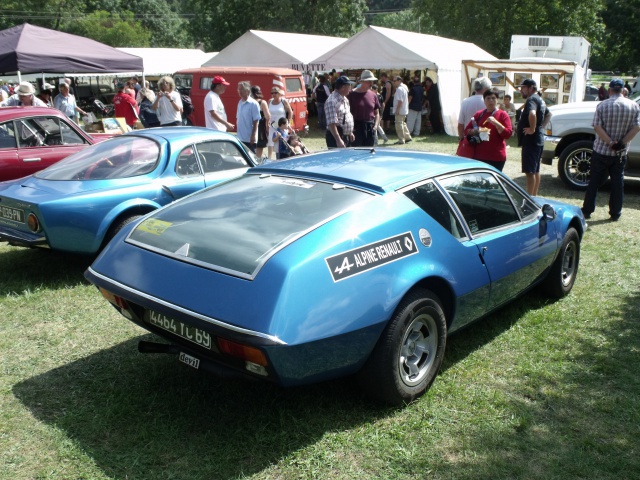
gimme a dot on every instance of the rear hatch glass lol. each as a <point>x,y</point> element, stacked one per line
<point>236,226</point>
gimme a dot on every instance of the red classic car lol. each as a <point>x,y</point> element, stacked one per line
<point>32,138</point>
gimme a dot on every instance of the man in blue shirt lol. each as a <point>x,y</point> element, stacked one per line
<point>248,117</point>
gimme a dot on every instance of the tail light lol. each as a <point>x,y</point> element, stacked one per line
<point>33,223</point>
<point>244,352</point>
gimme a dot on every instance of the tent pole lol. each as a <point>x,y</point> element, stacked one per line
<point>19,77</point>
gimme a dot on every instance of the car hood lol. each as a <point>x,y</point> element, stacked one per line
<point>575,107</point>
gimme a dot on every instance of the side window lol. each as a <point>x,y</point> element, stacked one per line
<point>205,83</point>
<point>28,135</point>
<point>217,156</point>
<point>69,136</point>
<point>7,135</point>
<point>187,164</point>
<point>293,84</point>
<point>525,207</point>
<point>429,199</point>
<point>482,201</point>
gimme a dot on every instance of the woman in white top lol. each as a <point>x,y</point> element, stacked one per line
<point>168,103</point>
<point>278,108</point>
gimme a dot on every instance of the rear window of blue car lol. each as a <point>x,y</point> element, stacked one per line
<point>238,225</point>
<point>119,157</point>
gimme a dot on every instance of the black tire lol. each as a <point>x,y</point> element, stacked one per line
<point>574,165</point>
<point>563,273</point>
<point>116,227</point>
<point>410,351</point>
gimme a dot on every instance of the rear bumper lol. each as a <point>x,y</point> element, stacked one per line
<point>22,239</point>
<point>549,149</point>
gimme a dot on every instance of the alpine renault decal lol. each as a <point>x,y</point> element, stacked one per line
<point>373,255</point>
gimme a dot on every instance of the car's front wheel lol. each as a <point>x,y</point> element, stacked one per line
<point>410,351</point>
<point>564,270</point>
<point>574,165</point>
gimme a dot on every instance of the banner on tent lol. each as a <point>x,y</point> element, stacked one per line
<point>308,67</point>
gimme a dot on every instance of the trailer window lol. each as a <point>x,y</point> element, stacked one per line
<point>294,85</point>
<point>183,81</point>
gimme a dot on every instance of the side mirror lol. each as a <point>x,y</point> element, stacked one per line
<point>548,212</point>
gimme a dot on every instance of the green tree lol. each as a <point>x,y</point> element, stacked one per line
<point>218,23</point>
<point>405,20</point>
<point>490,25</point>
<point>117,30</point>
<point>162,19</point>
<point>620,49</point>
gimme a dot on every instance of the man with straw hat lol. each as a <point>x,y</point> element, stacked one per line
<point>365,108</point>
<point>24,96</point>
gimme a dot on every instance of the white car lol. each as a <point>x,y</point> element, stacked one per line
<point>569,137</point>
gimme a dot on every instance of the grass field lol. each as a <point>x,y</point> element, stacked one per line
<point>539,390</point>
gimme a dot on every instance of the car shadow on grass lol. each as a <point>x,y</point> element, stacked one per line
<point>22,268</point>
<point>149,416</point>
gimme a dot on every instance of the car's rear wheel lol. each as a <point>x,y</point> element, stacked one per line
<point>574,165</point>
<point>410,351</point>
<point>116,227</point>
<point>564,270</point>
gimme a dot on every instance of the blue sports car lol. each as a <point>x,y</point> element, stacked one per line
<point>343,262</point>
<point>78,204</point>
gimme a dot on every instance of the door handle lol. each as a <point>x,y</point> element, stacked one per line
<point>31,160</point>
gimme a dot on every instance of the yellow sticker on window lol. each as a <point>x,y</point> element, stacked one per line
<point>156,227</point>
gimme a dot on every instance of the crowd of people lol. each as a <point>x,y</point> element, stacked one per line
<point>376,106</point>
<point>361,116</point>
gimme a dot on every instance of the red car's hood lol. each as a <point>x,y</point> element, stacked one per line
<point>100,137</point>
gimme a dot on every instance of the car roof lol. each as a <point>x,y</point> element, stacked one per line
<point>377,169</point>
<point>173,134</point>
<point>10,113</point>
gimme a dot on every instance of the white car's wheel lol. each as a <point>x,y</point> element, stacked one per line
<point>574,165</point>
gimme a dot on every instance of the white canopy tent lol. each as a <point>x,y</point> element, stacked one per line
<point>386,48</point>
<point>568,77</point>
<point>275,49</point>
<point>167,61</point>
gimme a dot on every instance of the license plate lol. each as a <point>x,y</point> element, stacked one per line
<point>12,214</point>
<point>189,360</point>
<point>192,334</point>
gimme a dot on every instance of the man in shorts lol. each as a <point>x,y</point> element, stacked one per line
<point>535,116</point>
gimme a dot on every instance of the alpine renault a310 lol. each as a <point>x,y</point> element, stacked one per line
<point>338,263</point>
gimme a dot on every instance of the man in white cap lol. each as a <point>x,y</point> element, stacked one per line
<point>24,97</point>
<point>46,94</point>
<point>365,108</point>
<point>472,104</point>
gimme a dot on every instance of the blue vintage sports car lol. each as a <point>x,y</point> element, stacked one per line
<point>337,263</point>
<point>78,204</point>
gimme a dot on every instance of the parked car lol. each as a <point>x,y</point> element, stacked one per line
<point>32,138</point>
<point>569,137</point>
<point>79,203</point>
<point>337,263</point>
<point>590,93</point>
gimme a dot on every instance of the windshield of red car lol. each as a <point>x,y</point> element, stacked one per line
<point>238,225</point>
<point>120,157</point>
